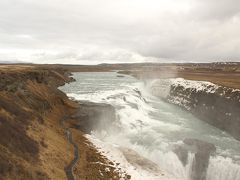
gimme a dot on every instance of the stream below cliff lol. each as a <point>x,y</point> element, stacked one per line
<point>175,140</point>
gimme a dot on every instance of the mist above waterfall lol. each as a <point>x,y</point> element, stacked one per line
<point>180,145</point>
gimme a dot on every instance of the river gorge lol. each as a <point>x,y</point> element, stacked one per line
<point>152,136</point>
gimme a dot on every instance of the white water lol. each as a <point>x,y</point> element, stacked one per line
<point>153,128</point>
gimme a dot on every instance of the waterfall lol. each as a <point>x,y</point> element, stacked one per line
<point>154,128</point>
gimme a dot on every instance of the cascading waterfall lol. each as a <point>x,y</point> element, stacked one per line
<point>221,168</point>
<point>167,135</point>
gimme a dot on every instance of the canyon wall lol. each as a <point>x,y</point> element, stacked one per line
<point>217,105</point>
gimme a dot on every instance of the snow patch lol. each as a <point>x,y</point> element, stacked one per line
<point>178,90</point>
<point>195,85</point>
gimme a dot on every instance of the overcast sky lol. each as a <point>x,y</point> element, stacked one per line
<point>103,31</point>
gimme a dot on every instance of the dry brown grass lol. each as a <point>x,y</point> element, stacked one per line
<point>228,78</point>
<point>224,75</point>
<point>32,140</point>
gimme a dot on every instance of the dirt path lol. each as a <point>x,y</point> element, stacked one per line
<point>68,169</point>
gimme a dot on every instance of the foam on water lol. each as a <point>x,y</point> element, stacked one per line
<point>153,128</point>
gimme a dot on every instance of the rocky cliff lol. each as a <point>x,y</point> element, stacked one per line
<point>34,117</point>
<point>30,106</point>
<point>217,105</point>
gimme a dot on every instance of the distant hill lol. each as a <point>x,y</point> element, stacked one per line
<point>13,62</point>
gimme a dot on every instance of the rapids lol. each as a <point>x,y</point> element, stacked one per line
<point>164,133</point>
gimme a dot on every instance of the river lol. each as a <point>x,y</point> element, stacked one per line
<point>156,129</point>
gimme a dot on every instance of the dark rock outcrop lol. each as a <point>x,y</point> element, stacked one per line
<point>216,105</point>
<point>93,116</point>
<point>202,151</point>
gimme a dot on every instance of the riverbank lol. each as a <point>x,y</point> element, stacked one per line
<point>210,92</point>
<point>33,143</point>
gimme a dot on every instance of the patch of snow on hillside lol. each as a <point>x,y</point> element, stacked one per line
<point>195,85</point>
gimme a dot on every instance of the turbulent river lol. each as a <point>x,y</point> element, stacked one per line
<point>157,130</point>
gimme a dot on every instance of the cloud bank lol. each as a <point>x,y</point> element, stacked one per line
<point>100,31</point>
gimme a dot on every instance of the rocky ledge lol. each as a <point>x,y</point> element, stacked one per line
<point>92,116</point>
<point>217,105</point>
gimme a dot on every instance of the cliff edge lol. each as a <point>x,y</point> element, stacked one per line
<point>33,143</point>
<point>215,104</point>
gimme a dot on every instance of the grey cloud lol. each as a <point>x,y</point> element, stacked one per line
<point>118,31</point>
<point>216,9</point>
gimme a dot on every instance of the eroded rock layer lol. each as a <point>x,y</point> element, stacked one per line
<point>217,105</point>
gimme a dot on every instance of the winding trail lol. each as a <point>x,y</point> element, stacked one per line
<point>68,169</point>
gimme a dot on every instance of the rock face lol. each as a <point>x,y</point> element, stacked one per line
<point>217,105</point>
<point>202,152</point>
<point>91,116</point>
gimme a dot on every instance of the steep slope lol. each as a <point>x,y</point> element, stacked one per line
<point>33,143</point>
